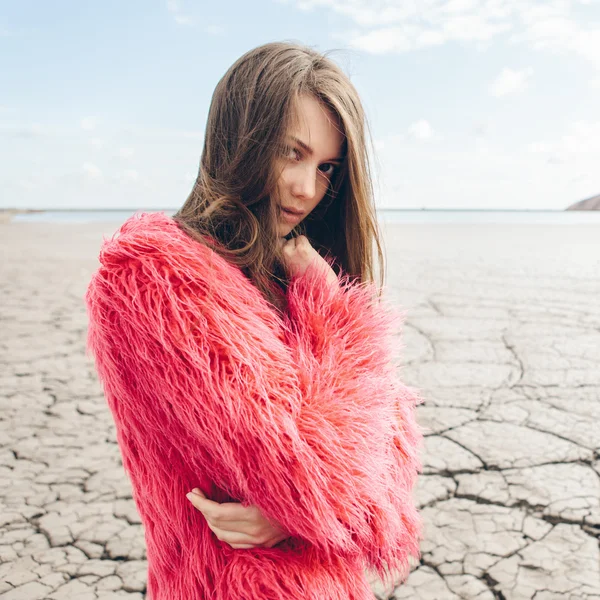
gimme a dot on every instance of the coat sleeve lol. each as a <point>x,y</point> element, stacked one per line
<point>298,416</point>
<point>341,339</point>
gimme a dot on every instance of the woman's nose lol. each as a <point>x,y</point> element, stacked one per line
<point>304,184</point>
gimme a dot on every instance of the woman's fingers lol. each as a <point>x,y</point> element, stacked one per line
<point>238,525</point>
<point>231,522</point>
<point>236,539</point>
<point>228,515</point>
<point>204,505</point>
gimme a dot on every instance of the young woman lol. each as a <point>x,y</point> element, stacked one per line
<point>245,354</point>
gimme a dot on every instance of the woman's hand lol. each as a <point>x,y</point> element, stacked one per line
<point>298,254</point>
<point>238,525</point>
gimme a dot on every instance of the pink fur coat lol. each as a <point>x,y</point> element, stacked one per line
<point>301,415</point>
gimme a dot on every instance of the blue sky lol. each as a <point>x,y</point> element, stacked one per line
<point>471,103</point>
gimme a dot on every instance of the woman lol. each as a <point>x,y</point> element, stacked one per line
<point>271,448</point>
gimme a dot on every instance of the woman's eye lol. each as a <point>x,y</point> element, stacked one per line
<point>330,170</point>
<point>292,153</point>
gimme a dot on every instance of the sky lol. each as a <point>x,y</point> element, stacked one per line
<point>471,104</point>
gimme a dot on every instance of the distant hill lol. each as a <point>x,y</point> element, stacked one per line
<point>588,204</point>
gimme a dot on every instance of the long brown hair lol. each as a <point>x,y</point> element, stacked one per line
<point>233,204</point>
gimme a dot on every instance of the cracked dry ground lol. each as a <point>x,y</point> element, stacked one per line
<point>502,337</point>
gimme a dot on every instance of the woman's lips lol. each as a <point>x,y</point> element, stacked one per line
<point>291,217</point>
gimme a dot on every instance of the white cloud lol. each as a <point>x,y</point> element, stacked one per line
<point>174,7</point>
<point>126,152</point>
<point>183,20</point>
<point>472,173</point>
<point>30,130</point>
<point>422,130</point>
<point>510,82</point>
<point>551,28</point>
<point>214,29</point>
<point>91,171</point>
<point>474,27</point>
<point>97,142</point>
<point>128,176</point>
<point>136,133</point>
<point>388,142</point>
<point>392,39</point>
<point>28,184</point>
<point>379,41</point>
<point>481,129</point>
<point>36,180</point>
<point>541,147</point>
<point>405,25</point>
<point>88,123</point>
<point>582,140</point>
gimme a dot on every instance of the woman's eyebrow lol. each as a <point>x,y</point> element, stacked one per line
<point>310,151</point>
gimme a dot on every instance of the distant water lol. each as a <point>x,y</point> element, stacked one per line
<point>557,217</point>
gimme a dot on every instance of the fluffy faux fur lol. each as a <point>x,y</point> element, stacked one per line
<point>303,416</point>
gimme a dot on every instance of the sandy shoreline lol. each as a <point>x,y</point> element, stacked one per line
<point>502,337</point>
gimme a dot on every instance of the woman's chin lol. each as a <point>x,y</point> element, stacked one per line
<point>283,229</point>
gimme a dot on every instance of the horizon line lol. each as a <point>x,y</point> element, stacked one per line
<point>423,209</point>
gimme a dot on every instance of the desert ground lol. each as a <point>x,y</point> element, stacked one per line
<point>502,337</point>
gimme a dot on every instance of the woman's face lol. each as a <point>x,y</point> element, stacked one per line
<point>313,156</point>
